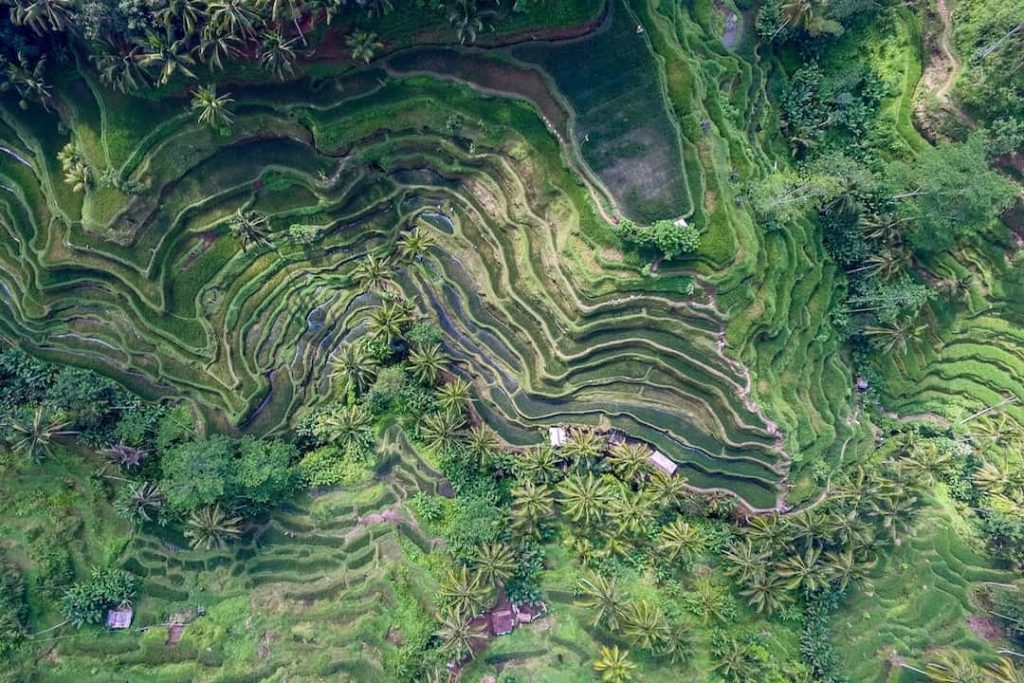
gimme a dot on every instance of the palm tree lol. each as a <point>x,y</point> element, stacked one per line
<point>633,511</point>
<point>466,19</point>
<point>28,79</point>
<point>603,597</point>
<point>669,491</point>
<point>170,57</point>
<point>644,625</point>
<point>680,540</point>
<point>807,528</point>
<point>364,45</point>
<point>189,14</point>
<point>482,443</point>
<point>894,336</point>
<point>495,563</point>
<point>441,430</point>
<point>356,368</point>
<point>531,504</point>
<point>374,273</point>
<point>350,427</point>
<point>44,16</point>
<point>276,55</point>
<point>414,243</point>
<point>992,479</point>
<point>388,322</point>
<point>630,460</point>
<point>288,11</point>
<point>766,592</point>
<point>464,592</point>
<point>585,499</point>
<point>234,18</point>
<point>766,531</point>
<point>121,70</point>
<point>460,636</point>
<point>677,644</point>
<point>803,570</point>
<point>954,666</point>
<point>1005,671</point>
<point>453,395</point>
<point>845,566</point>
<point>730,660</point>
<point>209,527</point>
<point>216,47</point>
<point>614,665</point>
<point>426,364</point>
<point>744,559</point>
<point>250,228</point>
<point>213,110</point>
<point>886,227</point>
<point>34,438</point>
<point>126,456</point>
<point>142,500</point>
<point>537,464</point>
<point>798,13</point>
<point>583,446</point>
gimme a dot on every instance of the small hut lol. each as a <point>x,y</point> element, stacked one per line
<point>119,619</point>
<point>558,436</point>
<point>662,462</point>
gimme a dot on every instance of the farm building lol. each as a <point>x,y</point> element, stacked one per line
<point>119,619</point>
<point>558,436</point>
<point>662,462</point>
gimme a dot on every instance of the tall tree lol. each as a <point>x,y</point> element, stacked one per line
<point>213,110</point>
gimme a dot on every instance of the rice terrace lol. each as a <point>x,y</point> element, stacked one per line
<point>512,341</point>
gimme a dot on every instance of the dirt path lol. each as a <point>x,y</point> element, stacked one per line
<point>940,76</point>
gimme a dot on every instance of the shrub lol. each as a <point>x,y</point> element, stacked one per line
<point>86,603</point>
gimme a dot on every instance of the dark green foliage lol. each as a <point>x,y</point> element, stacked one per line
<point>1004,534</point>
<point>87,602</point>
<point>13,607</point>
<point>423,334</point>
<point>990,40</point>
<point>949,192</point>
<point>669,239</point>
<point>1008,606</point>
<point>816,638</point>
<point>49,548</point>
<point>219,469</point>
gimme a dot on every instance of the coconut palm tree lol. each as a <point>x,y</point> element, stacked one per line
<point>44,16</point>
<point>584,498</point>
<point>803,570</point>
<point>614,665</point>
<point>680,540</point>
<point>495,562</point>
<point>250,228</point>
<point>356,368</point>
<point>427,363</point>
<point>766,531</point>
<point>630,461</point>
<point>537,464</point>
<point>890,263</point>
<point>276,55</point>
<point>603,598</point>
<point>644,625</point>
<point>992,479</point>
<point>633,511</point>
<point>374,273</point>
<point>349,427</point>
<point>668,491</point>
<point>766,591</point>
<point>234,18</point>
<point>189,14</point>
<point>731,660</point>
<point>35,437</point>
<point>441,430</point>
<point>121,70</point>
<point>807,528</point>
<point>583,447</point>
<point>388,322</point>
<point>460,636</point>
<point>209,527</point>
<point>482,443</point>
<point>364,45</point>
<point>467,20</point>
<point>213,110</point>
<point>744,559</point>
<point>142,500</point>
<point>28,79</point>
<point>531,504</point>
<point>1005,671</point>
<point>126,456</point>
<point>288,11</point>
<point>842,567</point>
<point>214,48</point>
<point>453,395</point>
<point>168,57</point>
<point>414,244</point>
<point>677,644</point>
<point>954,666</point>
<point>894,336</point>
<point>464,592</point>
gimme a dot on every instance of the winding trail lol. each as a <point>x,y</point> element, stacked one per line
<point>953,71</point>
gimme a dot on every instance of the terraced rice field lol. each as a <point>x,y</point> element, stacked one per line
<point>921,596</point>
<point>305,595</point>
<point>141,278</point>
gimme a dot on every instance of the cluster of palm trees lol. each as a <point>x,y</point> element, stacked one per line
<point>831,545</point>
<point>33,435</point>
<point>957,666</point>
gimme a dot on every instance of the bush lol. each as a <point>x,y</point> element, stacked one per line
<point>87,603</point>
<point>13,607</point>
